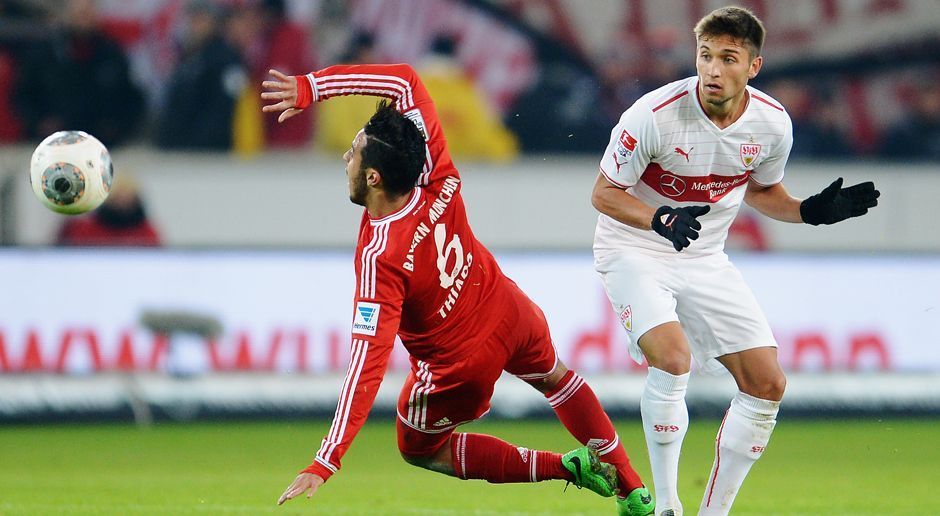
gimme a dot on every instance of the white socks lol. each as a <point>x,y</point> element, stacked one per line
<point>741,440</point>
<point>665,421</point>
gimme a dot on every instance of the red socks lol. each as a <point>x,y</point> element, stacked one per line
<point>477,456</point>
<point>485,457</point>
<point>579,410</point>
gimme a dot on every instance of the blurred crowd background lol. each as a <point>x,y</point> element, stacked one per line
<point>858,78</point>
<point>512,79</point>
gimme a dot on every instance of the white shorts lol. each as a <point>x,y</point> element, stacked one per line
<point>706,294</point>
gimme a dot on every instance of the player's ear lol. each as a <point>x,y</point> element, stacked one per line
<point>373,177</point>
<point>755,67</point>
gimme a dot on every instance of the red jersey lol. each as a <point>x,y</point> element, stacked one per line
<point>420,272</point>
<point>90,231</point>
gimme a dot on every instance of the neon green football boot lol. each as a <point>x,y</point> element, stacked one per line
<point>588,470</point>
<point>638,503</point>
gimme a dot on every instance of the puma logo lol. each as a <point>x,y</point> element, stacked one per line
<point>684,153</point>
<point>646,499</point>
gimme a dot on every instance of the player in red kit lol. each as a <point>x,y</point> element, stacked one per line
<point>422,275</point>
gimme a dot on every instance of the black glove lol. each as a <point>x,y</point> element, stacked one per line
<point>678,225</point>
<point>835,204</point>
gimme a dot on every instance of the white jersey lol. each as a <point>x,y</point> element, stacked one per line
<point>666,151</point>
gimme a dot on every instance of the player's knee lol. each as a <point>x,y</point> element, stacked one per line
<point>673,363</point>
<point>770,388</point>
<point>435,460</point>
<point>421,461</point>
<point>775,387</point>
<point>550,382</point>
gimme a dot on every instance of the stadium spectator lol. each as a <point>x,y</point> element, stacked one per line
<point>462,321</point>
<point>242,31</point>
<point>632,66</point>
<point>78,79</point>
<point>268,39</point>
<point>285,45</point>
<point>562,111</point>
<point>817,127</point>
<point>621,77</point>
<point>121,221</point>
<point>339,118</point>
<point>18,26</point>
<point>202,93</point>
<point>10,125</point>
<point>474,130</point>
<point>681,160</point>
<point>360,49</point>
<point>917,135</point>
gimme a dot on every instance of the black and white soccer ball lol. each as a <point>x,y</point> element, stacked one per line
<point>71,172</point>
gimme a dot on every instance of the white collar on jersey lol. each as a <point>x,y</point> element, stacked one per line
<point>400,213</point>
<point>711,125</point>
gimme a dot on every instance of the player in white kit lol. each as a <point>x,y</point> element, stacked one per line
<point>679,163</point>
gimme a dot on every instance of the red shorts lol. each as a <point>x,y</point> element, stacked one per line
<point>437,398</point>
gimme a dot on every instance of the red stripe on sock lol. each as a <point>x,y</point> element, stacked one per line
<point>711,486</point>
<point>456,455</point>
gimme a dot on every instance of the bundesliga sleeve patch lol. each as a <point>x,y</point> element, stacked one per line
<point>415,116</point>
<point>366,320</point>
<point>626,145</point>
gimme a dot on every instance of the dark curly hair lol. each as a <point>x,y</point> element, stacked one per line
<point>739,23</point>
<point>394,147</point>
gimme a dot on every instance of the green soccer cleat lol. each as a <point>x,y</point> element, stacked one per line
<point>588,470</point>
<point>638,503</point>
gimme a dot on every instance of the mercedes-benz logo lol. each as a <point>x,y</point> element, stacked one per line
<point>671,186</point>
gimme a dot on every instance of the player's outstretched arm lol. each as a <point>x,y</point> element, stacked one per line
<point>305,482</point>
<point>835,204</point>
<point>282,92</point>
<point>773,201</point>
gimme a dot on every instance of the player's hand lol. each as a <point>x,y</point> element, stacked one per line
<point>835,204</point>
<point>303,482</point>
<point>283,91</point>
<point>679,225</point>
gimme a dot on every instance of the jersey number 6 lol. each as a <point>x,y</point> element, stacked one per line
<point>444,253</point>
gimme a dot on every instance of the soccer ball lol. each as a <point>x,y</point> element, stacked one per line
<point>71,172</point>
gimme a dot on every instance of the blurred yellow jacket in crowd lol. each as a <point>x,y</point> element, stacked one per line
<point>473,129</point>
<point>339,119</point>
<point>247,124</point>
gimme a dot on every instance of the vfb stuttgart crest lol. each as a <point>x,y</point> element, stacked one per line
<point>749,152</point>
<point>626,318</point>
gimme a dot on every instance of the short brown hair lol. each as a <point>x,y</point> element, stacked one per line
<point>737,22</point>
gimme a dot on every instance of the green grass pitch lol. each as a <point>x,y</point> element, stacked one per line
<point>851,467</point>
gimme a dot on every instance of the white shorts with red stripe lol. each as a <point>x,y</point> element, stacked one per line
<point>706,294</point>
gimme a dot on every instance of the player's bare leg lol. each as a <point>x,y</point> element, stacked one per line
<point>578,408</point>
<point>746,429</point>
<point>663,409</point>
<point>484,457</point>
